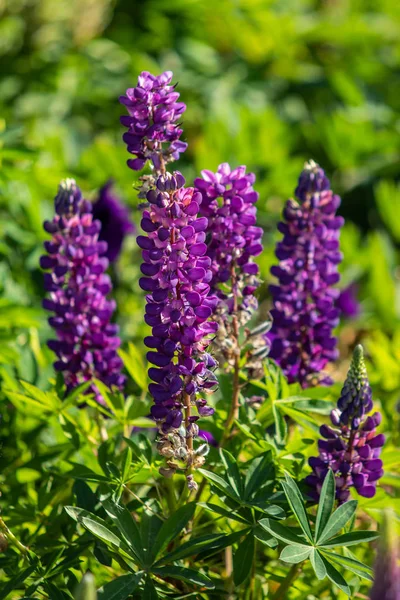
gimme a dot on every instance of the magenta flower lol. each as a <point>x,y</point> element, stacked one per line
<point>352,447</point>
<point>304,312</point>
<point>153,121</point>
<point>87,342</point>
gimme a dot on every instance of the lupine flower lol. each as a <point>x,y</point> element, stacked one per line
<point>153,121</point>
<point>114,219</point>
<point>304,312</point>
<point>233,241</point>
<point>351,448</point>
<point>176,276</point>
<point>86,341</point>
<point>347,302</point>
<point>387,572</point>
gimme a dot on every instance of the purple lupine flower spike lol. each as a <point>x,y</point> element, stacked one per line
<point>387,572</point>
<point>153,122</point>
<point>234,240</point>
<point>87,342</point>
<point>114,218</point>
<point>177,278</point>
<point>351,448</point>
<point>304,312</point>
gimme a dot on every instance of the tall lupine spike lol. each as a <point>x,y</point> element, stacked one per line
<point>304,312</point>
<point>233,241</point>
<point>351,451</point>
<point>114,218</point>
<point>387,572</point>
<point>86,341</point>
<point>153,121</point>
<point>176,276</point>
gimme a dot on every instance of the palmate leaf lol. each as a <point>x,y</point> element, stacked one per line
<point>149,592</point>
<point>350,539</point>
<point>295,554</point>
<point>338,520</point>
<point>172,528</point>
<point>260,470</point>
<point>128,528</point>
<point>317,564</point>
<point>232,471</point>
<point>350,564</point>
<point>280,425</point>
<point>197,545</point>
<point>214,508</point>
<point>336,578</point>
<point>189,575</point>
<point>285,534</point>
<point>325,505</point>
<point>220,483</point>
<point>296,503</point>
<point>243,559</point>
<point>121,588</point>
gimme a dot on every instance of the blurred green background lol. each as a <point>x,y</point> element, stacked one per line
<point>267,84</point>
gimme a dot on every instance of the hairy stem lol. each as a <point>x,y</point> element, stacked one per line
<point>287,583</point>
<point>11,537</point>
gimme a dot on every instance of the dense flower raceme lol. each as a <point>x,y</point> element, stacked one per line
<point>351,448</point>
<point>304,312</point>
<point>233,240</point>
<point>387,572</point>
<point>86,341</point>
<point>153,121</point>
<point>114,219</point>
<point>177,278</point>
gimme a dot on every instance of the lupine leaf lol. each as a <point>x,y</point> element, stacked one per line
<point>281,532</point>
<point>232,471</point>
<point>220,483</point>
<point>149,592</point>
<point>214,508</point>
<point>280,425</point>
<point>243,559</point>
<point>190,575</point>
<point>336,578</point>
<point>296,503</point>
<point>350,539</point>
<point>127,526</point>
<point>121,588</point>
<point>351,564</point>
<point>325,505</point>
<point>195,546</point>
<point>338,520</point>
<point>317,564</point>
<point>295,554</point>
<point>260,470</point>
<point>171,528</point>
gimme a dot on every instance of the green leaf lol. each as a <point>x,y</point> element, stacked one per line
<point>325,505</point>
<point>220,483</point>
<point>232,471</point>
<point>350,539</point>
<point>296,503</point>
<point>189,575</point>
<point>18,579</point>
<point>135,366</point>
<point>243,559</point>
<point>195,546</point>
<point>351,564</point>
<point>260,470</point>
<point>280,424</point>
<point>338,520</point>
<point>121,588</point>
<point>126,463</point>
<point>214,508</point>
<point>127,526</point>
<point>265,537</point>
<point>149,592</point>
<point>295,554</point>
<point>98,528</point>
<point>336,578</point>
<point>173,527</point>
<point>281,532</point>
<point>317,564</point>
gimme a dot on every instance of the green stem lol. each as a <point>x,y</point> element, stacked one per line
<point>287,582</point>
<point>11,537</point>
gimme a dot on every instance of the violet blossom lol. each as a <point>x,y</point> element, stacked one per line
<point>87,342</point>
<point>114,218</point>
<point>177,278</point>
<point>304,312</point>
<point>386,569</point>
<point>153,122</point>
<point>351,448</point>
